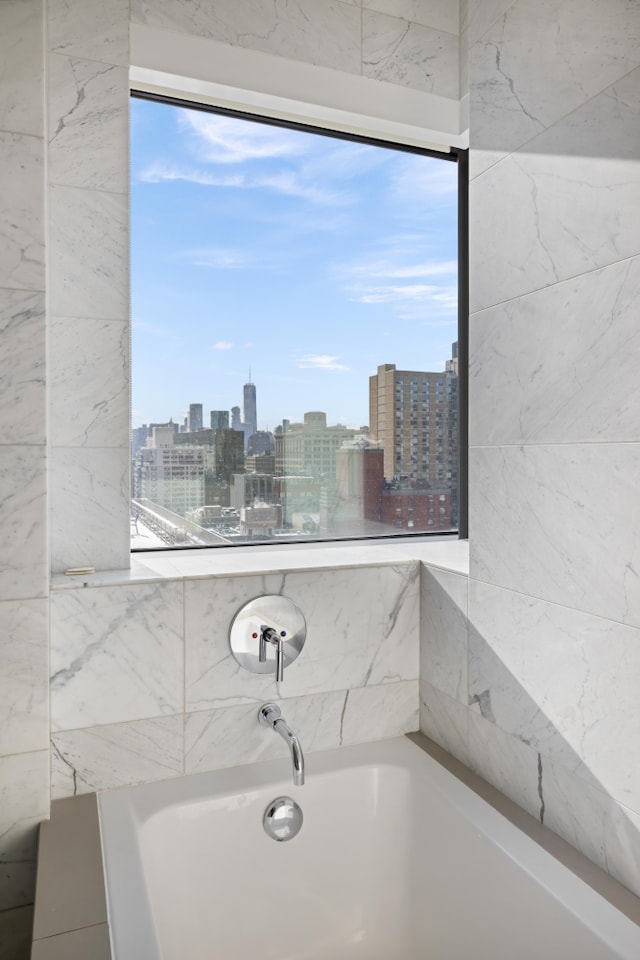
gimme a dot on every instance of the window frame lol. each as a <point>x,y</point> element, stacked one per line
<point>453,154</point>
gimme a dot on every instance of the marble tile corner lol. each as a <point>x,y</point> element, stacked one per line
<point>445,721</point>
<point>444,632</point>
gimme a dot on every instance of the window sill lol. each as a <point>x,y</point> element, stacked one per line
<point>163,565</point>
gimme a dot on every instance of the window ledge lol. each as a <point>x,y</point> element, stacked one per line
<point>158,566</point>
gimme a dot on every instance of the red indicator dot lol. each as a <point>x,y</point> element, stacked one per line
<point>255,636</point>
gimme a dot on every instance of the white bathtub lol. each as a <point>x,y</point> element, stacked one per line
<point>396,860</point>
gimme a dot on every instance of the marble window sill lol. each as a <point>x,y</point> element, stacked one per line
<point>165,565</point>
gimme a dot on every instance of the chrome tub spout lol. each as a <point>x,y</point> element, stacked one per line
<point>269,715</point>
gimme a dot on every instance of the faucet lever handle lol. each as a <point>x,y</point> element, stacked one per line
<point>269,635</point>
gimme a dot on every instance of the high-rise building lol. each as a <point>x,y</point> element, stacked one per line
<point>414,419</point>
<point>249,408</point>
<point>171,476</point>
<point>219,419</point>
<point>223,453</point>
<point>194,417</point>
<point>309,449</point>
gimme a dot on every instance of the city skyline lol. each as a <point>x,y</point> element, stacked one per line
<point>307,259</point>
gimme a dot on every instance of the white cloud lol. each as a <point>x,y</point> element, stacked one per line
<point>389,268</point>
<point>223,345</point>
<point>229,140</point>
<point>218,258</point>
<point>321,362</point>
<point>286,182</point>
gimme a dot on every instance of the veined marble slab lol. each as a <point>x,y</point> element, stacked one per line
<point>322,32</point>
<point>562,681</point>
<point>556,366</point>
<point>22,367</point>
<point>116,655</point>
<point>362,629</point>
<point>559,522</point>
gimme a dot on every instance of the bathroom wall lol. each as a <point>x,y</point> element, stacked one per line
<point>24,574</point>
<point>124,703</point>
<point>530,666</point>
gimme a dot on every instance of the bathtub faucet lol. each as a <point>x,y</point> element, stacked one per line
<point>269,715</point>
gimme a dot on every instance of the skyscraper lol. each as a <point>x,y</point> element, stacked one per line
<point>194,418</point>
<point>413,417</point>
<point>249,407</point>
<point>219,419</point>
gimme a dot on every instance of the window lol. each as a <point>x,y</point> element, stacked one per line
<point>290,287</point>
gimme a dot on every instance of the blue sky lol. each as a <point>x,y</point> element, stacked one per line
<point>307,259</point>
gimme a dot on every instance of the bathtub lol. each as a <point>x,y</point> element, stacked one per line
<point>397,860</point>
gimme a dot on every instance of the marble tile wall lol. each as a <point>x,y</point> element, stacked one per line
<point>156,693</point>
<point>411,43</point>
<point>24,763</point>
<point>548,711</point>
<point>87,104</point>
<point>64,390</point>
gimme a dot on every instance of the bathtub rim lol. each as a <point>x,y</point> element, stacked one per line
<point>551,863</point>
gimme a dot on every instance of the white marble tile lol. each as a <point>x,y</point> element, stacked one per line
<point>506,763</point>
<point>89,508</point>
<point>362,629</point>
<point>22,67</point>
<point>89,239</point>
<point>15,933</point>
<point>409,54</point>
<point>444,632</point>
<point>88,124</point>
<point>116,755</point>
<point>604,831</point>
<point>535,380</point>
<point>89,382</point>
<point>24,676</point>
<point>232,735</point>
<point>445,721</point>
<point>477,16</point>
<point>92,29</point>
<point>564,207</point>
<point>376,713</point>
<point>24,802</point>
<point>559,523</point>
<point>583,712</point>
<point>23,521</point>
<point>587,45</point>
<point>22,367</point>
<point>321,32</point>
<point>463,67</point>
<point>116,655</point>
<point>440,14</point>
<point>22,212</point>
